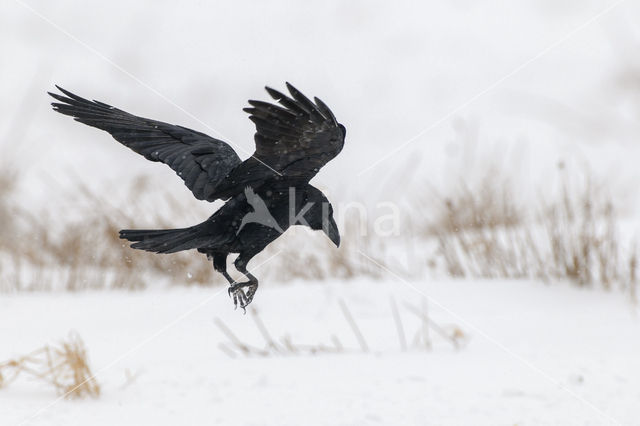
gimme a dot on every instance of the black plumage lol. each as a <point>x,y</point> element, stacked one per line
<point>265,194</point>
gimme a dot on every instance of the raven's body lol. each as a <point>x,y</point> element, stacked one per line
<point>224,232</point>
<point>265,194</point>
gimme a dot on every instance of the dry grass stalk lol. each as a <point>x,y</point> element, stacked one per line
<point>354,326</point>
<point>65,366</point>
<point>633,279</point>
<point>271,344</point>
<point>574,237</point>
<point>455,335</point>
<point>236,342</point>
<point>478,232</point>
<point>425,324</point>
<point>489,204</point>
<point>398,321</point>
<point>321,260</point>
<point>42,250</point>
<point>285,347</point>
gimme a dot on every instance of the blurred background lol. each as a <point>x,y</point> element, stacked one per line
<point>522,85</point>
<point>439,100</point>
<point>485,140</point>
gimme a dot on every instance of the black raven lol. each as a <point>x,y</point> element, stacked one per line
<point>264,194</point>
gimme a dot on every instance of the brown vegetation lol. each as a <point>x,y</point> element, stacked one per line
<point>64,366</point>
<point>572,235</point>
<point>40,251</point>
<point>478,230</point>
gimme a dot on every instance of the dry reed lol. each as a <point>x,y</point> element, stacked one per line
<point>574,236</point>
<point>64,365</point>
<point>284,346</point>
<point>478,231</point>
<point>43,251</point>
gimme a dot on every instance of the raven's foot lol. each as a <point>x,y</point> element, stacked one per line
<point>240,297</point>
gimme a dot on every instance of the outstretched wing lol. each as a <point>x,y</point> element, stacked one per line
<point>297,137</point>
<point>200,160</point>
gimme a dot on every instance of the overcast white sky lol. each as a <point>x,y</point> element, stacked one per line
<point>520,84</point>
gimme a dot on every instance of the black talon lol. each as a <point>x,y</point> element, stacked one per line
<point>236,289</point>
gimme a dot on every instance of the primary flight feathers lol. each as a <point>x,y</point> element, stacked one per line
<point>293,140</point>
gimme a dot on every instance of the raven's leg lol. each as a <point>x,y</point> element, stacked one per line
<point>220,265</point>
<point>235,289</point>
<point>252,284</point>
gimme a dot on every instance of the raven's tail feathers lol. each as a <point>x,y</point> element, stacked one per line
<point>163,240</point>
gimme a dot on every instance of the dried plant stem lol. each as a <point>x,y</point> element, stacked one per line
<point>398,321</point>
<point>425,324</point>
<point>64,365</point>
<point>453,339</point>
<point>337,343</point>
<point>246,349</point>
<point>271,344</point>
<point>224,348</point>
<point>354,326</point>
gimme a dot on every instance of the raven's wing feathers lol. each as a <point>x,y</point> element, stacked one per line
<point>200,160</point>
<point>298,137</point>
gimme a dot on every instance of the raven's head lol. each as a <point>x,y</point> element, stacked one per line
<point>319,216</point>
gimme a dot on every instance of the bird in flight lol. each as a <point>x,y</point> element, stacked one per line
<point>264,195</point>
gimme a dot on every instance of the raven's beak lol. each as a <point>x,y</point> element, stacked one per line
<point>331,229</point>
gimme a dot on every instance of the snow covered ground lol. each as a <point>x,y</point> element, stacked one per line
<point>533,354</point>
